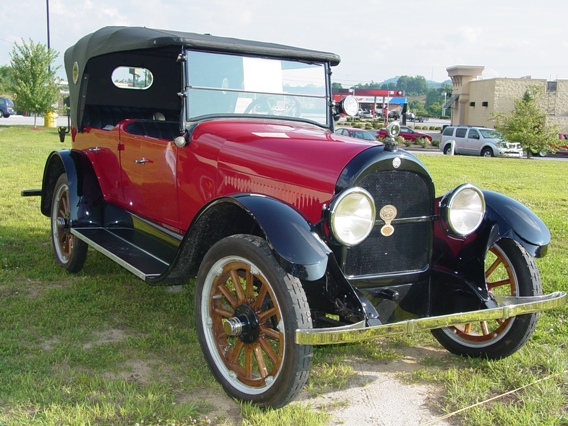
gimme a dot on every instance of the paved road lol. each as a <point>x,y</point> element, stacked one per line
<point>16,120</point>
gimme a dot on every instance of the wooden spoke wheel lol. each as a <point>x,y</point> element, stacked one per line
<point>510,271</point>
<point>69,250</point>
<point>247,311</point>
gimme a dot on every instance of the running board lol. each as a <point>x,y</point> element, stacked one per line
<point>144,256</point>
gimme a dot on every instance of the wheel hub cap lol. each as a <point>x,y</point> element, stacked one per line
<point>244,324</point>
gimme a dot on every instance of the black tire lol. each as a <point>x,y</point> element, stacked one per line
<point>487,152</point>
<point>510,270</point>
<point>262,364</point>
<point>447,149</point>
<point>69,250</point>
<point>1,113</point>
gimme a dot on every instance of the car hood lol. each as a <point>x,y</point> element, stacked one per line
<point>292,161</point>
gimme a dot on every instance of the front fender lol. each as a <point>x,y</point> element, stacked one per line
<point>290,236</point>
<point>504,218</point>
<point>514,220</point>
<point>294,242</point>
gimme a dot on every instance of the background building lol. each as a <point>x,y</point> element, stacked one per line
<point>474,100</point>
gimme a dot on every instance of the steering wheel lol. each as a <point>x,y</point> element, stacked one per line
<point>262,105</point>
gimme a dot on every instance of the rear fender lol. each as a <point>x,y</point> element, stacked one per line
<point>85,195</point>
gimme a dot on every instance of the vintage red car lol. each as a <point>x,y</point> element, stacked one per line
<point>212,162</point>
<point>406,133</point>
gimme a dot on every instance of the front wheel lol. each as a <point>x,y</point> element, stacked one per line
<point>487,152</point>
<point>247,310</point>
<point>69,250</point>
<point>510,271</point>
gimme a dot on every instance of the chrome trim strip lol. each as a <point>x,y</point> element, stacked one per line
<point>510,306</point>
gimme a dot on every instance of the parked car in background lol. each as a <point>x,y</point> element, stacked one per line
<point>563,149</point>
<point>471,140</point>
<point>6,107</point>
<point>357,133</point>
<point>407,133</point>
<point>364,114</point>
<point>219,169</point>
<point>410,116</point>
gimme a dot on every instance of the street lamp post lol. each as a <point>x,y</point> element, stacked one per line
<point>47,10</point>
<point>444,109</point>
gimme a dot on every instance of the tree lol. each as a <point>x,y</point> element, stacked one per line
<point>32,77</point>
<point>4,70</point>
<point>527,124</point>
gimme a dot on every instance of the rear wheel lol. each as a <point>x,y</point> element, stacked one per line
<point>69,250</point>
<point>510,271</point>
<point>247,310</point>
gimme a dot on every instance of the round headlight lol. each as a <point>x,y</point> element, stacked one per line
<point>352,216</point>
<point>462,209</point>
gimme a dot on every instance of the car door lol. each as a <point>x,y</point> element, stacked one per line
<point>461,141</point>
<point>149,177</point>
<point>474,142</point>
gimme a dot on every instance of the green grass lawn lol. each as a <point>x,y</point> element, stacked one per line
<point>101,347</point>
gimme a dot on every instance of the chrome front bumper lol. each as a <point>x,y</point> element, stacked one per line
<point>509,306</point>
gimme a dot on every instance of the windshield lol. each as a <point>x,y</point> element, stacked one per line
<point>490,134</point>
<point>230,84</point>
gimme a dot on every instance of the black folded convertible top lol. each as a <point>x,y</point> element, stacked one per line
<point>117,39</point>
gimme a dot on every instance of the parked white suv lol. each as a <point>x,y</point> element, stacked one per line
<point>469,140</point>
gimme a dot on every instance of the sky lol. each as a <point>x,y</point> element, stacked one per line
<point>376,39</point>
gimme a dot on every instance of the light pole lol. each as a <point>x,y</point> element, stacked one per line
<point>443,105</point>
<point>47,9</point>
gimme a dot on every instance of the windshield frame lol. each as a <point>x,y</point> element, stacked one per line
<point>323,111</point>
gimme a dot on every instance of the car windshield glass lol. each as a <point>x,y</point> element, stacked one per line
<point>490,134</point>
<point>9,102</point>
<point>231,84</point>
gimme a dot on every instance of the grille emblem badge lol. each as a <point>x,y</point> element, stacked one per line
<point>387,213</point>
<point>396,163</point>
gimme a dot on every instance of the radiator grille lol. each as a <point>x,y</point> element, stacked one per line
<point>408,249</point>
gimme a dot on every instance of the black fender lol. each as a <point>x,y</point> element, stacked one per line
<point>463,259</point>
<point>85,196</point>
<point>292,238</point>
<point>516,221</point>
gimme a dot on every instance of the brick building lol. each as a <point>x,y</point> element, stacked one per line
<point>474,100</point>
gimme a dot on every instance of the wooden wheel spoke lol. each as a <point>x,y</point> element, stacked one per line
<point>484,327</point>
<point>260,361</point>
<point>262,292</point>
<point>228,295</point>
<point>234,355</point>
<point>274,357</point>
<point>248,362</point>
<point>249,290</point>
<point>493,284</point>
<point>222,312</point>
<point>238,287</point>
<point>270,332</point>
<point>263,316</point>
<point>493,267</point>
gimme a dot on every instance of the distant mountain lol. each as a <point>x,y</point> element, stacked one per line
<point>430,83</point>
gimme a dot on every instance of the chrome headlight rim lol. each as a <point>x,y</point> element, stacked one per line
<point>336,209</point>
<point>448,210</point>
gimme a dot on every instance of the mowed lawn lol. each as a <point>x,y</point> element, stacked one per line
<point>101,347</point>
